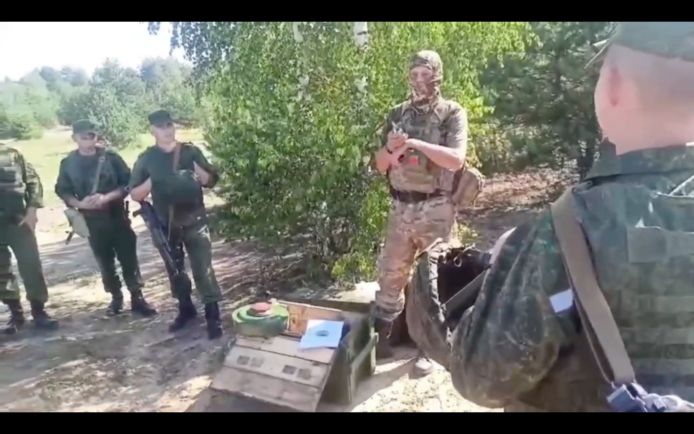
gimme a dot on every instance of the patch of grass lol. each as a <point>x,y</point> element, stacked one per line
<point>45,154</point>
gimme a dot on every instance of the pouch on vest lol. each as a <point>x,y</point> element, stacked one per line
<point>13,200</point>
<point>467,185</point>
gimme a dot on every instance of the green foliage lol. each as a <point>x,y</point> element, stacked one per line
<point>544,100</point>
<point>74,106</point>
<point>294,135</point>
<point>117,103</point>
<point>118,98</point>
<point>167,86</point>
<point>18,124</point>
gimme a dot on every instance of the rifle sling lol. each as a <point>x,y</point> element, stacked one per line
<point>592,307</point>
<point>99,166</point>
<point>176,160</point>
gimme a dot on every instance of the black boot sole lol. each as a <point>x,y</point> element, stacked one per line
<point>180,325</point>
<point>145,313</point>
<point>44,326</point>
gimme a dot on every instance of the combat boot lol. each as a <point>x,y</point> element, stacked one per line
<point>139,305</point>
<point>214,322</point>
<point>383,348</point>
<point>16,317</point>
<point>116,305</point>
<point>186,313</point>
<point>423,365</point>
<point>41,319</point>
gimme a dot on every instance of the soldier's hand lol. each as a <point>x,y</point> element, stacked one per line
<point>396,140</point>
<point>90,202</point>
<point>30,218</point>
<point>99,200</point>
<point>396,156</point>
<point>203,176</point>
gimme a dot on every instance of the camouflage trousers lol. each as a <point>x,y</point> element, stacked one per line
<point>412,227</point>
<point>22,241</point>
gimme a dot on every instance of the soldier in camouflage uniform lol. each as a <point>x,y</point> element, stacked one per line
<point>21,194</point>
<point>178,200</point>
<point>522,349</point>
<point>423,143</point>
<point>110,233</point>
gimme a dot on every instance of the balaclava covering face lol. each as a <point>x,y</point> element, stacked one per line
<point>424,96</point>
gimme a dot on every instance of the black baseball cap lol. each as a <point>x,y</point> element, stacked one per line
<point>160,117</point>
<point>84,126</point>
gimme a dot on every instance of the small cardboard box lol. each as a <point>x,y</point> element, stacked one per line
<point>276,371</point>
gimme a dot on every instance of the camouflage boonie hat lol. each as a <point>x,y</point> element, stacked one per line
<point>671,39</point>
<point>430,59</point>
<point>84,126</point>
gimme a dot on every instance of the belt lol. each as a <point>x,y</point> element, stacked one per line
<point>414,196</point>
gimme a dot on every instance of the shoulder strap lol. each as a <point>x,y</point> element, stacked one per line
<point>99,166</point>
<point>177,156</point>
<point>176,161</point>
<point>592,307</point>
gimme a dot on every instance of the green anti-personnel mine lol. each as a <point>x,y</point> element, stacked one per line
<point>261,319</point>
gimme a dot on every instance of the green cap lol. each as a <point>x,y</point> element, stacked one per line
<point>83,126</point>
<point>159,117</point>
<point>671,39</point>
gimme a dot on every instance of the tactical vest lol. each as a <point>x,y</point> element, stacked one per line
<point>416,172</point>
<point>12,186</point>
<point>642,244</point>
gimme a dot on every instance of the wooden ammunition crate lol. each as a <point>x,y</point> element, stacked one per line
<point>276,371</point>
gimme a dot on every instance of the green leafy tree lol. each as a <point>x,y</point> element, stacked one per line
<point>544,100</point>
<point>74,106</point>
<point>18,123</point>
<point>167,85</point>
<point>117,102</point>
<point>295,111</point>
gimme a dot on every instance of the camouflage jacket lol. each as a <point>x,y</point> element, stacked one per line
<point>20,186</point>
<point>446,125</point>
<point>520,345</point>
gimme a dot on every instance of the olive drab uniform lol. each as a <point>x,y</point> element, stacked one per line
<point>422,210</point>
<point>178,199</point>
<point>110,233</point>
<point>20,189</point>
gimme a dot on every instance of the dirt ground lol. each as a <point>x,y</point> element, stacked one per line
<point>96,363</point>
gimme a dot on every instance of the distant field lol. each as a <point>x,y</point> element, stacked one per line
<point>45,154</point>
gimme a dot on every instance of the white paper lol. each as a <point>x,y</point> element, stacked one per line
<point>321,334</point>
<point>562,301</point>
